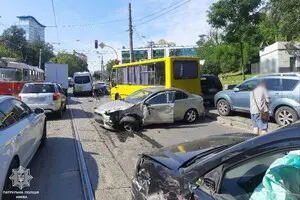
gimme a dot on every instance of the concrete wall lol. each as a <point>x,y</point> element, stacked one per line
<point>275,58</point>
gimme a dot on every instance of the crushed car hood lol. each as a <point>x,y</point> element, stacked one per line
<point>175,156</point>
<point>113,106</point>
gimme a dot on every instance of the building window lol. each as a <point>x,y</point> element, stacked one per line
<point>185,70</point>
<point>158,53</point>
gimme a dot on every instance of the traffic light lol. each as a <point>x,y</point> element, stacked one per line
<point>117,61</point>
<point>96,44</point>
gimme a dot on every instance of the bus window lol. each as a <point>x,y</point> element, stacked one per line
<point>185,70</point>
<point>160,73</point>
<point>25,73</point>
<point>122,75</point>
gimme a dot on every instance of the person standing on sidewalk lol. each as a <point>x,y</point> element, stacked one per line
<point>259,108</point>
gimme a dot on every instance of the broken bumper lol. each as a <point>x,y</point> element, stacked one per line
<point>104,121</point>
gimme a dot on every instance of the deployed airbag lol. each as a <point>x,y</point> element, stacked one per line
<point>281,181</point>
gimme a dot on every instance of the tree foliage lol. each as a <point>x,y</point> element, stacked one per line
<point>109,66</point>
<point>75,63</point>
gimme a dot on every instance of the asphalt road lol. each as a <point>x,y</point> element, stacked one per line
<point>110,156</point>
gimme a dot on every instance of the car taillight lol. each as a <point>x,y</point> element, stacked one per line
<point>56,96</point>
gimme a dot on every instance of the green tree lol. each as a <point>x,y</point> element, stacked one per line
<point>75,63</point>
<point>285,15</point>
<point>109,66</point>
<point>32,52</point>
<point>13,42</point>
<point>239,22</point>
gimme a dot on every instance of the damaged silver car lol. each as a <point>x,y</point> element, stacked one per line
<point>150,106</point>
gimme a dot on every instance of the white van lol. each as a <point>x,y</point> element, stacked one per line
<point>83,83</point>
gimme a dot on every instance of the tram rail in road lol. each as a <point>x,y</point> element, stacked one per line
<point>85,179</point>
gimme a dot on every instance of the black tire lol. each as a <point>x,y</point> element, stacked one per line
<point>59,113</point>
<point>117,97</point>
<point>74,94</point>
<point>129,124</point>
<point>285,115</point>
<point>44,136</point>
<point>65,106</point>
<point>191,116</point>
<point>8,183</point>
<point>223,107</point>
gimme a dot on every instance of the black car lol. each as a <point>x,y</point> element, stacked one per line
<point>219,167</point>
<point>210,85</point>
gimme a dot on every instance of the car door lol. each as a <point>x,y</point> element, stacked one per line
<point>274,86</point>
<point>19,129</point>
<point>241,95</point>
<point>36,122</point>
<point>181,105</point>
<point>158,109</point>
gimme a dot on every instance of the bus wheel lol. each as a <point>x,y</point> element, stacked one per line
<point>117,97</point>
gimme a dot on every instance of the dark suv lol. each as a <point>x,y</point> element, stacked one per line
<point>210,85</point>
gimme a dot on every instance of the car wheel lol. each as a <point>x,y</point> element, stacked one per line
<point>191,115</point>
<point>285,115</point>
<point>223,107</point>
<point>8,183</point>
<point>44,136</point>
<point>130,124</point>
<point>59,113</point>
<point>117,97</point>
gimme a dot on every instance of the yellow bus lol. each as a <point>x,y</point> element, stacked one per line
<point>179,72</point>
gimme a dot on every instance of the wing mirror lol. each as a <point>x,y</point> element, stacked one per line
<point>236,89</point>
<point>38,111</point>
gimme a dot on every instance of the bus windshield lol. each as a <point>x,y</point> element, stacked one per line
<point>10,74</point>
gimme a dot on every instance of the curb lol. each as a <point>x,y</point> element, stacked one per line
<point>243,124</point>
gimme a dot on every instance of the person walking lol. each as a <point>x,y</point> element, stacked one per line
<point>259,108</point>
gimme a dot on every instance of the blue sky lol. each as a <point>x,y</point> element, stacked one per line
<point>181,25</point>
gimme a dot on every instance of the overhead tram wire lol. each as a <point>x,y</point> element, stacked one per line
<point>152,14</point>
<point>163,13</point>
<point>55,22</point>
<point>139,36</point>
<point>120,20</point>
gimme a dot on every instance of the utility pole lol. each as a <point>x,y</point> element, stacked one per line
<point>102,66</point>
<point>151,49</point>
<point>40,59</point>
<point>130,35</point>
<point>242,60</point>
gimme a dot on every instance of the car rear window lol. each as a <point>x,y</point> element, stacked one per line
<point>210,81</point>
<point>38,88</point>
<point>82,79</point>
<point>289,84</point>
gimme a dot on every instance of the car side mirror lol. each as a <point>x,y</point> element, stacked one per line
<point>38,111</point>
<point>236,89</point>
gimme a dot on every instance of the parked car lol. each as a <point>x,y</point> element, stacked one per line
<point>83,83</point>
<point>284,92</point>
<point>220,167</point>
<point>70,81</point>
<point>99,88</point>
<point>150,106</point>
<point>22,131</point>
<point>210,86</point>
<point>48,96</point>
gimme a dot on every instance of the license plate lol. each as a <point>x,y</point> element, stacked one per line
<point>80,88</point>
<point>36,99</point>
<point>212,90</point>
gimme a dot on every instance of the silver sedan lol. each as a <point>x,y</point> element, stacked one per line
<point>22,131</point>
<point>150,106</point>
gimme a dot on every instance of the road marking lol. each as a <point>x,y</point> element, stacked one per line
<point>181,148</point>
<point>85,179</point>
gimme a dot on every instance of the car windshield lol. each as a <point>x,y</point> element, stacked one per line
<point>137,96</point>
<point>38,88</point>
<point>82,79</point>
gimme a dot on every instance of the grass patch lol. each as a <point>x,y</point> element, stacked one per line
<point>233,79</point>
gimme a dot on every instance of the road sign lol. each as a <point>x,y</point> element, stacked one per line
<point>102,45</point>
